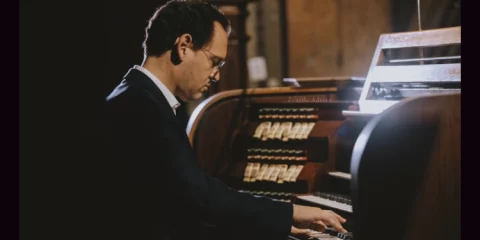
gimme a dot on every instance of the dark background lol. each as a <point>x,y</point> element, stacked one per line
<point>72,53</point>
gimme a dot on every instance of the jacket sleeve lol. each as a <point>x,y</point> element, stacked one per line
<point>217,203</point>
<point>164,158</point>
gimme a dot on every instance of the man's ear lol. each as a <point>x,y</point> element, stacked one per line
<point>179,51</point>
<point>182,44</point>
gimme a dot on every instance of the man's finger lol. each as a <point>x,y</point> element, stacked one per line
<point>319,226</point>
<point>296,231</point>
<point>334,222</point>
<point>340,218</point>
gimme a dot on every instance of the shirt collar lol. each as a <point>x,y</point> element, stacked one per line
<point>172,101</point>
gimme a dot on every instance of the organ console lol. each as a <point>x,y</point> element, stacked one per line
<point>296,143</point>
<point>273,142</point>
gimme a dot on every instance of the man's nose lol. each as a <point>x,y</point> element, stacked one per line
<point>216,76</point>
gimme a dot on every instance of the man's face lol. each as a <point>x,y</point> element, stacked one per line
<point>201,65</point>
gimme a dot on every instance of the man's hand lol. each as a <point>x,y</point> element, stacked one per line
<point>305,218</point>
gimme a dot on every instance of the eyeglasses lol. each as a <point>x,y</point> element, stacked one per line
<point>217,63</point>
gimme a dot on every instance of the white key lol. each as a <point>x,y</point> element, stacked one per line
<point>341,175</point>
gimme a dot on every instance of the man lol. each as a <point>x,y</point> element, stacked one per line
<point>158,190</point>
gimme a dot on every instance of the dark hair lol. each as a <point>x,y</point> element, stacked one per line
<point>178,17</point>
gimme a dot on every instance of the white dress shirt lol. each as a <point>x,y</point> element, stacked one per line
<point>168,95</point>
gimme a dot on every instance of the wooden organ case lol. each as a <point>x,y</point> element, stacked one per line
<point>296,143</point>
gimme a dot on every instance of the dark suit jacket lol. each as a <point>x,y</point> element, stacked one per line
<point>156,188</point>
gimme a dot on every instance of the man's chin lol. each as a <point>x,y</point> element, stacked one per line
<point>194,97</point>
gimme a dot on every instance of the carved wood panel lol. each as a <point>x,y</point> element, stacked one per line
<point>333,37</point>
